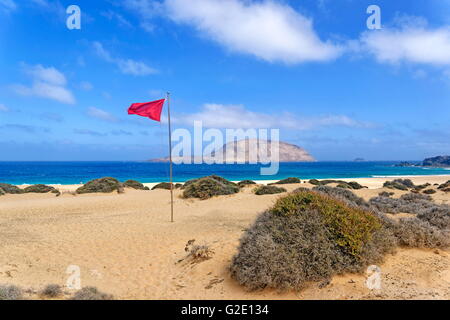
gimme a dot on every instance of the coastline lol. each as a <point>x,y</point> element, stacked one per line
<point>370,182</point>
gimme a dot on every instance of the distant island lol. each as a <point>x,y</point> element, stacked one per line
<point>359,160</point>
<point>434,162</point>
<point>437,162</point>
<point>288,152</point>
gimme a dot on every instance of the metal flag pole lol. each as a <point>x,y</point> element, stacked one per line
<point>170,157</point>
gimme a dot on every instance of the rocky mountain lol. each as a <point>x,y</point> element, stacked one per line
<point>439,161</point>
<point>251,150</point>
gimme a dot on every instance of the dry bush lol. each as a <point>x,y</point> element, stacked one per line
<point>91,293</point>
<point>51,291</point>
<point>415,197</point>
<point>429,191</point>
<point>2,193</point>
<point>413,232</point>
<point>344,195</point>
<point>410,204</point>
<point>200,252</point>
<point>308,236</point>
<point>268,190</point>
<point>104,185</point>
<point>135,185</point>
<point>208,187</point>
<point>386,194</point>
<point>437,216</point>
<point>10,292</point>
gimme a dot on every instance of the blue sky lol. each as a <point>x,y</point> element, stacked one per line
<point>310,68</point>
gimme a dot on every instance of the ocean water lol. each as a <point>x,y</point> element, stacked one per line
<point>81,172</point>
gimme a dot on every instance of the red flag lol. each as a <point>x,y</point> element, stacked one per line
<point>150,110</point>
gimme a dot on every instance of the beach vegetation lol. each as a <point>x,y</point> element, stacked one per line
<point>103,185</point>
<point>40,188</point>
<point>340,184</point>
<point>166,186</point>
<point>445,185</point>
<point>344,195</point>
<point>91,293</point>
<point>386,194</point>
<point>400,184</point>
<point>308,236</point>
<point>205,188</point>
<point>268,190</point>
<point>429,191</point>
<point>135,185</point>
<point>51,291</point>
<point>290,180</point>
<point>214,177</point>
<point>244,183</point>
<point>417,233</point>
<point>200,253</point>
<point>11,189</point>
<point>10,292</point>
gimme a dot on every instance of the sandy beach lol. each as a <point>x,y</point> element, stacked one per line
<point>125,245</point>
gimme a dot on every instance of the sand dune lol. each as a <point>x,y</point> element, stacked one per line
<point>125,245</point>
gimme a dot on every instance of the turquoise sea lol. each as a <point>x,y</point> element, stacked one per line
<point>81,172</point>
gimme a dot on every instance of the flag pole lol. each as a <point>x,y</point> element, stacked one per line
<point>170,158</point>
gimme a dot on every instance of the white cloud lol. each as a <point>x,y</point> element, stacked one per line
<point>3,108</point>
<point>111,15</point>
<point>411,42</point>
<point>86,86</point>
<point>7,6</point>
<point>236,116</point>
<point>101,114</point>
<point>46,83</point>
<point>268,30</point>
<point>126,66</point>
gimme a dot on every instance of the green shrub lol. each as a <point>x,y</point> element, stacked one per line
<point>208,187</point>
<point>214,177</point>
<point>40,188</point>
<point>400,184</point>
<point>2,193</point>
<point>385,194</point>
<point>287,181</point>
<point>91,293</point>
<point>268,190</point>
<point>340,184</point>
<point>308,236</point>
<point>9,188</point>
<point>444,185</point>
<point>244,183</point>
<point>104,185</point>
<point>166,186</point>
<point>10,292</point>
<point>51,291</point>
<point>135,185</point>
